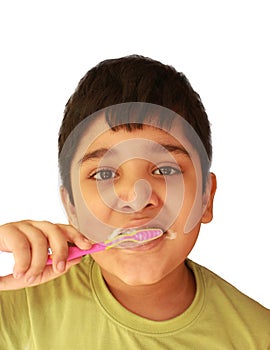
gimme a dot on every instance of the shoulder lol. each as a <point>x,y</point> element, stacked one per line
<point>228,301</point>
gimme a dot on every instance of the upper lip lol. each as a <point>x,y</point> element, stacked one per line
<point>141,223</point>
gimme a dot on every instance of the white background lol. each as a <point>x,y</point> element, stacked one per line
<point>222,47</point>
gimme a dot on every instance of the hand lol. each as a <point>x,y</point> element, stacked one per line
<point>29,242</point>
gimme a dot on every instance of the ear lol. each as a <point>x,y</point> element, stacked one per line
<point>69,207</point>
<point>208,198</point>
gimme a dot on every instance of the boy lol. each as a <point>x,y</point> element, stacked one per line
<point>134,152</point>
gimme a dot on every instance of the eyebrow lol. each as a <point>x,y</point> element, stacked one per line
<point>157,147</point>
<point>163,148</point>
<point>96,154</point>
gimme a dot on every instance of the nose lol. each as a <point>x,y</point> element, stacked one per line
<point>136,197</point>
<point>132,192</point>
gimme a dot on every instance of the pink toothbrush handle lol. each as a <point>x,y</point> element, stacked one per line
<point>75,252</point>
<point>137,236</point>
<point>7,259</point>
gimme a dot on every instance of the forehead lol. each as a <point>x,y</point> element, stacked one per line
<point>137,142</point>
<point>148,136</point>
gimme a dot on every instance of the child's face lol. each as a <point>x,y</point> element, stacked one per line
<point>142,178</point>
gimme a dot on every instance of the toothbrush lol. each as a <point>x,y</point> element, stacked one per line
<point>137,236</point>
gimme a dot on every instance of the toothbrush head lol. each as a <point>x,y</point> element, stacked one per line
<point>124,238</point>
<point>133,237</point>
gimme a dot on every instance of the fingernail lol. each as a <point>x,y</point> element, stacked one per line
<point>61,266</point>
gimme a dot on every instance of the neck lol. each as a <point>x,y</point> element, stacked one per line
<point>161,301</point>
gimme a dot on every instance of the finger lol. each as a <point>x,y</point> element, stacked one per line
<point>49,272</point>
<point>41,235</point>
<point>58,242</point>
<point>39,252</point>
<point>76,237</point>
<point>10,283</point>
<point>63,233</point>
<point>13,240</point>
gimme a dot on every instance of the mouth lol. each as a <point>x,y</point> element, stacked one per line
<point>131,238</point>
<point>143,246</point>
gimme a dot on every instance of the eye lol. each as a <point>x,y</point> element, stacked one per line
<point>166,171</point>
<point>102,175</point>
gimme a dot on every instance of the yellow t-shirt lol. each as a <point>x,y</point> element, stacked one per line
<point>77,312</point>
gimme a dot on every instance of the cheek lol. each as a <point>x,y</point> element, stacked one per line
<point>191,212</point>
<point>186,241</point>
<point>93,216</point>
<point>94,201</point>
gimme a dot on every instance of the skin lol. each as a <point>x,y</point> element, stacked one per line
<point>29,240</point>
<point>156,271</point>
